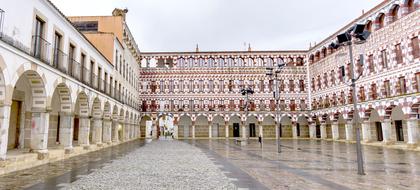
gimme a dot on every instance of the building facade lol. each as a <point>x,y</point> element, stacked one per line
<point>201,90</point>
<point>59,87</point>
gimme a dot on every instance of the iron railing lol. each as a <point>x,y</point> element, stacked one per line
<point>60,60</point>
<point>41,49</point>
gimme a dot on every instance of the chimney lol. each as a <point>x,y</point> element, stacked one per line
<point>249,47</point>
<point>197,49</point>
<point>120,12</point>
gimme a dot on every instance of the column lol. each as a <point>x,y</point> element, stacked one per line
<point>277,130</point>
<point>193,130</point>
<point>155,126</point>
<point>349,132</point>
<point>335,133</point>
<point>386,131</point>
<point>227,130</point>
<point>294,131</point>
<point>243,130</point>
<point>323,131</point>
<point>4,130</point>
<point>126,133</point>
<point>66,131</point>
<point>210,131</point>
<point>114,135</point>
<point>312,131</point>
<point>39,133</point>
<point>261,131</point>
<point>412,132</point>
<point>84,128</point>
<point>107,131</point>
<point>366,134</point>
<point>97,131</point>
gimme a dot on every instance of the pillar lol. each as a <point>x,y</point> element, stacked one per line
<point>107,131</point>
<point>210,130</point>
<point>193,131</point>
<point>227,130</point>
<point>66,131</point>
<point>335,133</point>
<point>84,128</point>
<point>97,131</point>
<point>294,131</point>
<point>386,131</point>
<point>243,130</point>
<point>4,130</point>
<point>412,132</point>
<point>349,132</point>
<point>277,131</point>
<point>312,131</point>
<point>366,133</point>
<point>323,131</point>
<point>114,135</point>
<point>154,132</point>
<point>39,132</point>
<point>261,131</point>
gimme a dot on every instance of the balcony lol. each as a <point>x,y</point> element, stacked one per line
<point>40,49</point>
<point>60,61</point>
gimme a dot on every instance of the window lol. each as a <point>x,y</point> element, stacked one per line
<point>57,52</point>
<point>332,77</point>
<point>384,59</point>
<point>92,68</point>
<point>71,59</point>
<point>342,73</point>
<point>116,60</point>
<point>319,82</point>
<point>398,54</point>
<point>415,47</point>
<point>325,80</point>
<point>362,94</point>
<point>82,66</point>
<point>313,84</point>
<point>380,21</point>
<point>99,80</point>
<point>291,86</point>
<point>270,85</point>
<point>302,85</point>
<point>373,91</point>
<point>418,82</point>
<point>38,40</point>
<point>370,64</point>
<point>281,87</point>
<point>387,89</point>
<point>86,25</point>
<point>402,86</point>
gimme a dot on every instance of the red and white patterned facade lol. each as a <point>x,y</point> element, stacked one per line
<point>199,87</point>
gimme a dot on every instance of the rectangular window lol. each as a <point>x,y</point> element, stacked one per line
<point>302,85</point>
<point>57,52</point>
<point>332,77</point>
<point>291,85</point>
<point>71,65</point>
<point>325,80</point>
<point>384,59</point>
<point>116,60</point>
<point>370,64</point>
<point>415,47</point>
<point>86,25</point>
<point>418,82</point>
<point>373,92</point>
<point>82,67</point>
<point>362,94</point>
<point>398,54</point>
<point>38,40</point>
<point>92,74</point>
<point>387,88</point>
<point>281,87</point>
<point>342,73</point>
<point>402,85</point>
<point>99,80</point>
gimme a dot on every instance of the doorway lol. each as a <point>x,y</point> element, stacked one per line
<point>14,126</point>
<point>235,129</point>
<point>252,130</point>
<point>297,130</point>
<point>399,130</point>
<point>379,131</point>
<point>318,131</point>
<point>76,129</point>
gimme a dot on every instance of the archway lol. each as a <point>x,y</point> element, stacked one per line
<point>234,126</point>
<point>286,127</point>
<point>95,134</point>
<point>341,127</point>
<point>60,119</point>
<point>328,126</point>
<point>146,124</point>
<point>81,110</point>
<point>121,127</point>
<point>201,127</point>
<point>166,124</point>
<point>218,126</point>
<point>27,113</point>
<point>375,125</point>
<point>185,127</point>
<point>115,123</point>
<point>399,125</point>
<point>268,127</point>
<point>302,127</point>
<point>251,125</point>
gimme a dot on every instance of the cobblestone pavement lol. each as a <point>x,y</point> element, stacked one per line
<point>312,164</point>
<point>158,165</point>
<point>48,176</point>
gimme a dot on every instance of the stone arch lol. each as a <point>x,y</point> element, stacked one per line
<point>380,21</point>
<point>286,127</point>
<point>218,126</point>
<point>185,127</point>
<point>96,111</point>
<point>61,109</point>
<point>302,127</point>
<point>28,103</point>
<point>398,123</point>
<point>107,114</point>
<point>268,127</point>
<point>201,126</point>
<point>252,126</point>
<point>146,129</point>
<point>234,126</point>
<point>166,124</point>
<point>410,6</point>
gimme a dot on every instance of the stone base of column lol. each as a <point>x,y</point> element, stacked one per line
<point>388,142</point>
<point>99,144</point>
<point>68,150</point>
<point>244,142</point>
<point>42,154</point>
<point>86,147</point>
<point>412,145</point>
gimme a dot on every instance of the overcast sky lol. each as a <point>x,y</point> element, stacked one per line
<point>177,25</point>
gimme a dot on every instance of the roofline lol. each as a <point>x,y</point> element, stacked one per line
<point>220,52</point>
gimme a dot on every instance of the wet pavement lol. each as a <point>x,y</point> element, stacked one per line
<point>51,175</point>
<point>312,164</point>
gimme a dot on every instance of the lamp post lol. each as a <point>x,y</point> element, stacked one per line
<point>355,35</point>
<point>273,72</point>
<point>246,92</point>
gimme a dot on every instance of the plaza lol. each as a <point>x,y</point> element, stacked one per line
<point>83,107</point>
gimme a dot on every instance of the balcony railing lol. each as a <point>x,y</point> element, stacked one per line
<point>60,60</point>
<point>41,49</point>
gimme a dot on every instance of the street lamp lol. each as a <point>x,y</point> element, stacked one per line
<point>246,92</point>
<point>273,72</point>
<point>355,35</point>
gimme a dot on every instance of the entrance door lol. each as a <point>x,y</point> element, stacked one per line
<point>252,130</point>
<point>399,130</point>
<point>236,130</point>
<point>14,125</point>
<point>318,131</point>
<point>379,131</point>
<point>297,129</point>
<point>76,129</point>
<point>57,140</point>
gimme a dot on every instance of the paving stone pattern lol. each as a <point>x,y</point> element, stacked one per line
<point>158,165</point>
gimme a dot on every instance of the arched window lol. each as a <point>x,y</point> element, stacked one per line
<point>311,59</point>
<point>410,6</point>
<point>181,62</point>
<point>368,26</point>
<point>299,61</point>
<point>260,61</point>
<point>191,62</point>
<point>324,52</point>
<point>240,62</point>
<point>201,62</point>
<point>394,13</point>
<point>270,62</point>
<point>250,62</point>
<point>380,21</point>
<point>279,60</point>
<point>230,62</point>
<point>221,62</point>
<point>317,56</point>
<point>210,62</point>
